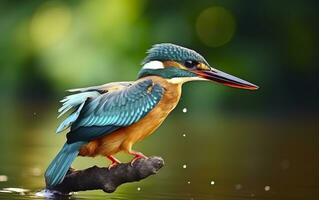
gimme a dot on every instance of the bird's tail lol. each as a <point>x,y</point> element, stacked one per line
<point>60,165</point>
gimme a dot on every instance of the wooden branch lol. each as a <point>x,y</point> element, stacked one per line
<point>107,180</point>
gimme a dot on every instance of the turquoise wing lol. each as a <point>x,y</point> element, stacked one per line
<point>113,110</point>
<point>75,102</point>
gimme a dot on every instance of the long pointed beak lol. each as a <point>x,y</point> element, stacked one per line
<point>225,79</point>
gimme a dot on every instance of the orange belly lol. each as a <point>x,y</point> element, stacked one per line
<point>124,138</point>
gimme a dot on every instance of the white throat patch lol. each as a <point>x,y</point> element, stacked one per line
<point>153,65</point>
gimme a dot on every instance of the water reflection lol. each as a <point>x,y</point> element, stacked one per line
<point>237,160</point>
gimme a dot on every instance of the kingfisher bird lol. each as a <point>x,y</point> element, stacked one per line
<point>106,119</point>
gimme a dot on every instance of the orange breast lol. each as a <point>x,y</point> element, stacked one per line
<point>125,137</point>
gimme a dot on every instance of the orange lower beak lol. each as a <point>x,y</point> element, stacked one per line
<point>225,79</point>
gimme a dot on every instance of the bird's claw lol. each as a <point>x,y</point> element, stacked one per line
<point>137,156</point>
<point>114,164</point>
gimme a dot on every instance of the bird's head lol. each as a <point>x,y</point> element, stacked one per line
<point>180,65</point>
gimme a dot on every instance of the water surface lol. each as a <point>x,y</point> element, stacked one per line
<point>225,158</point>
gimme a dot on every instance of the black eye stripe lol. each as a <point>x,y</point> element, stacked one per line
<point>190,63</point>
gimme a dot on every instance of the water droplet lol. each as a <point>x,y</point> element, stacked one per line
<point>138,189</point>
<point>267,188</point>
<point>3,178</point>
<point>184,110</point>
<point>238,186</point>
<point>36,171</point>
<point>284,164</point>
<point>212,182</point>
<point>184,166</point>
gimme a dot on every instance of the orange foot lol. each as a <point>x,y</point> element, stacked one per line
<point>137,155</point>
<point>114,163</point>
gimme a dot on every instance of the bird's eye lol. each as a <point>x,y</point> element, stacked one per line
<point>190,63</point>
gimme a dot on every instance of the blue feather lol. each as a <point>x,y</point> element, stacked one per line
<point>60,165</point>
<point>77,102</point>
<point>115,109</point>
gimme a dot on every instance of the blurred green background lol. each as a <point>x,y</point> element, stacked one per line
<point>237,144</point>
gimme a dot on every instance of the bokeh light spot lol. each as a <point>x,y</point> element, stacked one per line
<point>215,26</point>
<point>49,24</point>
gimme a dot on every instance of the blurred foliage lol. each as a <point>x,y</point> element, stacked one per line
<point>49,46</point>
